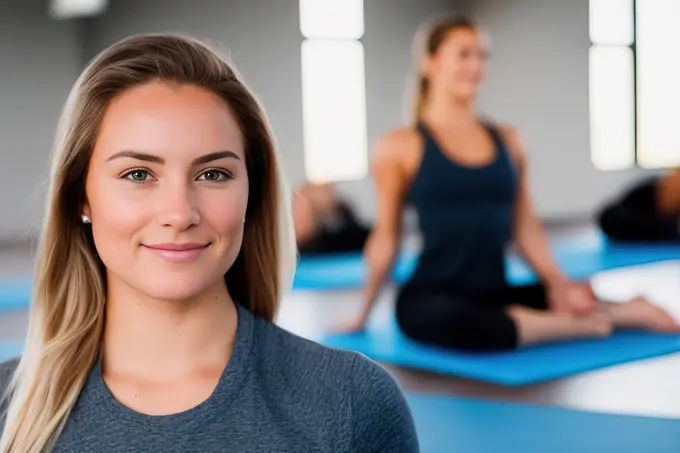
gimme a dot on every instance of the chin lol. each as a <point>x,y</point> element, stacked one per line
<point>466,92</point>
<point>466,96</point>
<point>177,288</point>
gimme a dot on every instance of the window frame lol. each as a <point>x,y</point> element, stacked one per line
<point>633,48</point>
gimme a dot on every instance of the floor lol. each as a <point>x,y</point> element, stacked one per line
<point>647,387</point>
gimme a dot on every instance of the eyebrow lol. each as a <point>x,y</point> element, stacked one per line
<point>159,160</point>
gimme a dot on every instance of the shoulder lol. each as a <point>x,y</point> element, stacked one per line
<point>297,359</point>
<point>342,385</point>
<point>382,420</point>
<point>396,143</point>
<point>400,136</point>
<point>7,369</point>
<point>396,153</point>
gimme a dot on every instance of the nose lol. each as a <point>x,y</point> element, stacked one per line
<point>177,206</point>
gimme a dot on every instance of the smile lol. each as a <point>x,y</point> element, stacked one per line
<point>177,253</point>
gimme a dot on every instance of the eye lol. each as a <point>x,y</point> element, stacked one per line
<point>138,175</point>
<point>215,175</point>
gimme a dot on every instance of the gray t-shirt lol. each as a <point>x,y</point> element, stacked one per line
<point>278,393</point>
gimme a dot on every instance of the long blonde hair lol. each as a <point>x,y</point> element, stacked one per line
<point>69,287</point>
<point>426,43</point>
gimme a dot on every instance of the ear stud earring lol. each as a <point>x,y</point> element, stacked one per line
<point>85,219</point>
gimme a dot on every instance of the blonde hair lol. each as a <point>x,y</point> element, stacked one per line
<point>67,310</point>
<point>426,43</point>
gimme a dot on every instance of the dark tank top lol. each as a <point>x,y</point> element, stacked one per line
<point>465,217</point>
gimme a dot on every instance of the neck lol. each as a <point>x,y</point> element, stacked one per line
<point>447,110</point>
<point>165,339</point>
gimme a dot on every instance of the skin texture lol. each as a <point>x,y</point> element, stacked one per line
<point>168,166</point>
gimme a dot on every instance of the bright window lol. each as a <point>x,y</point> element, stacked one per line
<point>333,90</point>
<point>68,9</point>
<point>634,93</point>
<point>332,19</point>
<point>658,65</point>
<point>334,110</point>
<point>612,126</point>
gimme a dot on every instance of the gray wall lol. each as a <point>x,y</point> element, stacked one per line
<point>538,81</point>
<point>39,61</point>
<point>264,39</point>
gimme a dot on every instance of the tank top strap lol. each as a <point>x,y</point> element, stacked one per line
<point>428,139</point>
<point>499,142</point>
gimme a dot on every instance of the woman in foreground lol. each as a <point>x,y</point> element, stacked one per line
<point>468,182</point>
<point>166,247</point>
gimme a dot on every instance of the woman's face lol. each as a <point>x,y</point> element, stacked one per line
<point>459,64</point>
<point>167,191</point>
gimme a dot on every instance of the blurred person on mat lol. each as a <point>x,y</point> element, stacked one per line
<point>325,223</point>
<point>467,179</point>
<point>167,244</point>
<point>649,211</point>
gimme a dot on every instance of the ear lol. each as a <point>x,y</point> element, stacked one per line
<point>85,210</point>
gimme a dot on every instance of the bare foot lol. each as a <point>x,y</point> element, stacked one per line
<point>641,313</point>
<point>352,326</point>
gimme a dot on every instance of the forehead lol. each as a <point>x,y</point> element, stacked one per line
<point>461,38</point>
<point>174,121</point>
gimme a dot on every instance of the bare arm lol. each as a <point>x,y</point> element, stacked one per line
<point>390,179</point>
<point>530,235</point>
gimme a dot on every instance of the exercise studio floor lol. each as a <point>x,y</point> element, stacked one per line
<point>646,388</point>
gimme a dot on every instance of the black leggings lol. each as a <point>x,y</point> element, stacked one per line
<point>636,217</point>
<point>350,238</point>
<point>350,235</point>
<point>455,320</point>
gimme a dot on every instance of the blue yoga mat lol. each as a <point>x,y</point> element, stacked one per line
<point>579,257</point>
<point>385,343</point>
<point>447,424</point>
<point>15,294</point>
<point>10,349</point>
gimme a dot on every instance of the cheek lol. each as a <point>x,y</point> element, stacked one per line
<point>461,67</point>
<point>466,72</point>
<point>225,210</point>
<point>478,66</point>
<point>117,216</point>
<point>451,70</point>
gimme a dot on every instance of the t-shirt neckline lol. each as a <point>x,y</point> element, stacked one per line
<point>225,391</point>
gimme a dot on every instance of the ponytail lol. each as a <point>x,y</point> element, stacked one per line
<point>422,90</point>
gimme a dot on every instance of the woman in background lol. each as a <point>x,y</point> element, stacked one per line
<point>647,212</point>
<point>468,182</point>
<point>325,223</point>
<point>167,245</point>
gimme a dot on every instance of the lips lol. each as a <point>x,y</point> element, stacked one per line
<point>177,247</point>
<point>177,253</point>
